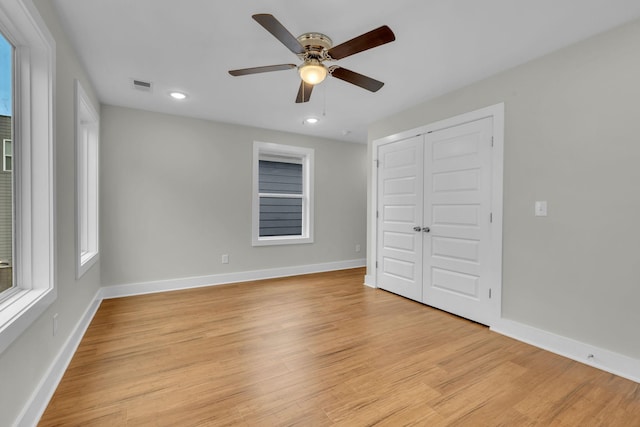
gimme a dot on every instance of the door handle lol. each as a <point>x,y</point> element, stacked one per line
<point>426,229</point>
<point>417,228</point>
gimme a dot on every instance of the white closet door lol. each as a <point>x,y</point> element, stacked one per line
<point>457,200</point>
<point>400,201</point>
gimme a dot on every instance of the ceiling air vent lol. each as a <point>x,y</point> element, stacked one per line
<point>142,85</point>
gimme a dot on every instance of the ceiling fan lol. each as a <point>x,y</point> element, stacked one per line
<point>315,48</point>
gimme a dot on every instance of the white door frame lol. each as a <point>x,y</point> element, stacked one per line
<point>497,156</point>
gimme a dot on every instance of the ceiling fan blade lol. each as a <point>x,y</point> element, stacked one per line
<point>271,24</point>
<point>357,79</point>
<point>373,38</point>
<point>265,69</point>
<point>304,92</point>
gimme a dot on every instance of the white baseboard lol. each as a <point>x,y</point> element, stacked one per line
<point>40,398</point>
<point>370,281</point>
<point>129,289</point>
<point>606,360</point>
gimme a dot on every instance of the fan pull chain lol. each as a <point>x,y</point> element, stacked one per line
<point>324,105</point>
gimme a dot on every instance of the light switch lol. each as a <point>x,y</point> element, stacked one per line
<point>541,208</point>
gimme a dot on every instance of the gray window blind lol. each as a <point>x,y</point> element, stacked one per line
<point>280,216</point>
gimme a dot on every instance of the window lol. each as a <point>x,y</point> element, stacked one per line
<point>87,147</point>
<point>6,177</point>
<point>282,194</point>
<point>29,53</point>
<point>7,155</point>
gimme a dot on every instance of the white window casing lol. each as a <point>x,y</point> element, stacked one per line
<point>33,168</point>
<point>87,185</point>
<point>300,197</point>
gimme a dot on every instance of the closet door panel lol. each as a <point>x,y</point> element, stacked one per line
<point>400,205</point>
<point>457,198</point>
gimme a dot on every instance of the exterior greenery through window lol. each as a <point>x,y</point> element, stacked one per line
<point>283,194</point>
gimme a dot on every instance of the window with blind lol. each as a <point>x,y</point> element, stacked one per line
<point>283,199</point>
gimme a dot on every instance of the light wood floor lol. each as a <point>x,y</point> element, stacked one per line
<point>319,350</point>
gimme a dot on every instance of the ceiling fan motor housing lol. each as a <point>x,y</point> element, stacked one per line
<point>315,45</point>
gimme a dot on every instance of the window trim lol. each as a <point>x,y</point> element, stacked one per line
<point>87,149</point>
<point>34,168</point>
<point>272,151</point>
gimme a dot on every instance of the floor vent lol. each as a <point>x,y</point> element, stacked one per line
<point>142,85</point>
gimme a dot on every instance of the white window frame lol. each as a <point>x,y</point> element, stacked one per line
<point>87,185</point>
<point>34,169</point>
<point>5,155</point>
<point>268,150</point>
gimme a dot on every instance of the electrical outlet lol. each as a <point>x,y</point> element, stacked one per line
<point>541,208</point>
<point>55,324</point>
<point>225,258</point>
<point>357,248</point>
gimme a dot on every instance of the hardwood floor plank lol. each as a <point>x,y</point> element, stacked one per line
<point>319,350</point>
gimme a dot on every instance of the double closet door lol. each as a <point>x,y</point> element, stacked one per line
<point>434,218</point>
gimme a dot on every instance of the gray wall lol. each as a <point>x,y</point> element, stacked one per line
<point>176,195</point>
<point>572,138</point>
<point>25,362</point>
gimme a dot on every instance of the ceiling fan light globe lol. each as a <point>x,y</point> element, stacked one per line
<point>312,73</point>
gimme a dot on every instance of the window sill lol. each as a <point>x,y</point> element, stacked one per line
<point>19,311</point>
<point>86,261</point>
<point>284,240</point>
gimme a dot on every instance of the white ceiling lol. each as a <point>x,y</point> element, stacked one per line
<point>189,45</point>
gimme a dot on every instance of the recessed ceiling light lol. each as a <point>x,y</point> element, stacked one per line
<point>177,95</point>
<point>311,120</point>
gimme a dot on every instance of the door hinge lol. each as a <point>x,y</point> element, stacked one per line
<point>376,264</point>
<point>377,214</point>
<point>377,163</point>
<point>492,141</point>
<point>491,217</point>
<point>489,293</point>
